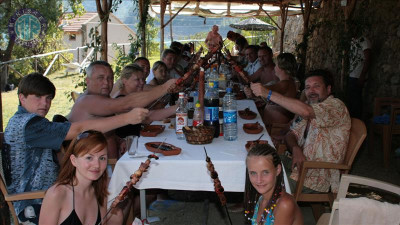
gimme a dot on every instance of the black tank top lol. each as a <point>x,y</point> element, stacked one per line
<point>73,218</point>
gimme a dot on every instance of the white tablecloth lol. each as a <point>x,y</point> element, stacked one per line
<point>188,171</point>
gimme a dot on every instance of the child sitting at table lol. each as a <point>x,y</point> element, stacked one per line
<point>79,195</point>
<point>266,201</point>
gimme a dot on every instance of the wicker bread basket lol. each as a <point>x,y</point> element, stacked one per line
<point>199,135</point>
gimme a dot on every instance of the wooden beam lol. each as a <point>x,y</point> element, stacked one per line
<point>142,28</point>
<point>270,2</point>
<point>276,24</point>
<point>284,12</point>
<point>170,25</point>
<point>162,13</point>
<point>171,18</point>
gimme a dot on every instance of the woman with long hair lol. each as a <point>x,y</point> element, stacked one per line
<point>79,195</point>
<point>266,201</point>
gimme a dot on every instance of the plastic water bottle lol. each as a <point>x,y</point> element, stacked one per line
<point>214,77</point>
<point>211,104</point>
<point>230,116</point>
<point>198,116</point>
<point>181,117</point>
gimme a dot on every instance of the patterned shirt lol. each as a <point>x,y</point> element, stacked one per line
<point>252,67</point>
<point>326,141</point>
<point>32,141</point>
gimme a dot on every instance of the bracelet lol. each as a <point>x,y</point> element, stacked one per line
<point>269,95</point>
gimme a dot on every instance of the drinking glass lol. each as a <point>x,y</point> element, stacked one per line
<point>132,144</point>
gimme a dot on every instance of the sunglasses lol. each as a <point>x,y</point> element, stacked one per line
<point>86,134</point>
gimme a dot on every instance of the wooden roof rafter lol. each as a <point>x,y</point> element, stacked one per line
<point>227,8</point>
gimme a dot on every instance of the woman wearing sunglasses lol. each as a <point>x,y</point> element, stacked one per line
<point>79,195</point>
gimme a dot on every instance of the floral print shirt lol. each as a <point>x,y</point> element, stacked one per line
<point>325,141</point>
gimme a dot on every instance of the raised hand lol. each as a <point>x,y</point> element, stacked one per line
<point>258,89</point>
<point>137,115</point>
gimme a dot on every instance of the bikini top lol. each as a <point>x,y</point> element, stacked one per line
<point>73,218</point>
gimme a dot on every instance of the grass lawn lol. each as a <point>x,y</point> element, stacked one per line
<point>61,104</point>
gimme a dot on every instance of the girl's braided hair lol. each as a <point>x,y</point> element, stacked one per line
<point>251,195</point>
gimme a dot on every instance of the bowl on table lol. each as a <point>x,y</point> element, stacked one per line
<point>199,135</point>
<point>252,128</point>
<point>250,144</point>
<point>151,130</point>
<point>247,114</point>
<point>165,148</point>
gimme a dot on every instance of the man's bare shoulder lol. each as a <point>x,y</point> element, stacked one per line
<point>86,107</point>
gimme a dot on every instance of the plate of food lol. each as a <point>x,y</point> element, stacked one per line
<point>251,144</point>
<point>253,128</point>
<point>165,148</point>
<point>247,114</point>
<point>151,130</point>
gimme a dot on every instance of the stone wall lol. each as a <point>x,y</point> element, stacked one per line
<point>380,20</point>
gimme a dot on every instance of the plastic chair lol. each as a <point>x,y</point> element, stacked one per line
<point>386,130</point>
<point>9,198</point>
<point>358,132</point>
<point>346,180</point>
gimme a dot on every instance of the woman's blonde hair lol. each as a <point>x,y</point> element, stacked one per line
<point>130,69</point>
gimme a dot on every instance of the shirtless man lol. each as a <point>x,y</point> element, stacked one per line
<point>214,39</point>
<point>96,101</point>
<point>266,74</point>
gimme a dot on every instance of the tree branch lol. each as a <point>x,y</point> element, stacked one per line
<point>99,10</point>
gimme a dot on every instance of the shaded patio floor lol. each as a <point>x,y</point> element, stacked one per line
<point>193,208</point>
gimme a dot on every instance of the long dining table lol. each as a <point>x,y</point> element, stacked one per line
<point>188,171</point>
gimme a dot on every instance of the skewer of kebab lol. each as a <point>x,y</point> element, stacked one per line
<point>180,83</point>
<point>134,178</point>
<point>237,68</point>
<point>217,184</point>
<point>243,75</point>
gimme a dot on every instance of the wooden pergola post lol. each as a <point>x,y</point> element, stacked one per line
<point>284,6</point>
<point>170,25</point>
<point>142,27</point>
<point>1,113</point>
<point>163,5</point>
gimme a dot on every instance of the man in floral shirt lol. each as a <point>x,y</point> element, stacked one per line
<point>320,132</point>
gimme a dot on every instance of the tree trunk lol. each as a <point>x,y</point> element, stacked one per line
<point>103,10</point>
<point>104,39</point>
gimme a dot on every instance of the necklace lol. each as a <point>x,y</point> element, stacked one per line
<point>267,216</point>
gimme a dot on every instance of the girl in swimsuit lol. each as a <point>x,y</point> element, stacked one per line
<point>79,195</point>
<point>266,201</point>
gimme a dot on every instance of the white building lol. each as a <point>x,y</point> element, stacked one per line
<point>77,30</point>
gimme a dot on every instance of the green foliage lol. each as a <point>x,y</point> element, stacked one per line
<point>153,47</point>
<point>52,41</point>
<point>124,59</point>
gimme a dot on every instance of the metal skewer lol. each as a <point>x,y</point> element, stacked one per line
<point>226,208</point>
